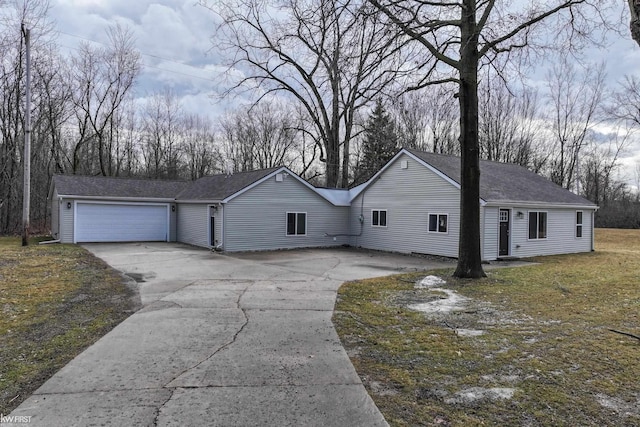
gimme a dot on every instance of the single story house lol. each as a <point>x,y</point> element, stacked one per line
<point>412,205</point>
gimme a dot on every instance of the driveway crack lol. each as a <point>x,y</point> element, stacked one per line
<point>159,409</point>
<point>225,345</point>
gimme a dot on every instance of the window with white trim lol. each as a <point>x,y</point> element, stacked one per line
<point>578,223</point>
<point>379,217</point>
<point>296,223</point>
<point>438,223</point>
<point>537,225</point>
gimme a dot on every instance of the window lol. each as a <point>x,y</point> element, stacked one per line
<point>438,223</point>
<point>296,223</point>
<point>537,225</point>
<point>379,218</point>
<point>578,223</point>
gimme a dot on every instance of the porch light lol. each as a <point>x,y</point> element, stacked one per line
<point>520,215</point>
<point>68,205</point>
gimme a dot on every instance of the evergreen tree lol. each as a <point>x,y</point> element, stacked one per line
<point>380,143</point>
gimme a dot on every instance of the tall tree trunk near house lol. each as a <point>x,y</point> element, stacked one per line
<point>332,162</point>
<point>634,10</point>
<point>469,255</point>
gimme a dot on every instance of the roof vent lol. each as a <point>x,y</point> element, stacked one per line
<point>404,164</point>
<point>279,177</point>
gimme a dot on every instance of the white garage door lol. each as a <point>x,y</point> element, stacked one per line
<point>98,222</point>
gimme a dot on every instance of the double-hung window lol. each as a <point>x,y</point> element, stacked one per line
<point>537,225</point>
<point>379,218</point>
<point>296,223</point>
<point>578,223</point>
<point>438,223</point>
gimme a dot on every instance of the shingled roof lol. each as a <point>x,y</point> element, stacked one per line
<point>101,186</point>
<point>219,187</point>
<point>216,187</point>
<point>505,182</point>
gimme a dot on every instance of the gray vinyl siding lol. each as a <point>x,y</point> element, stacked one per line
<point>173,222</point>
<point>55,215</point>
<point>257,219</point>
<point>192,224</point>
<point>491,233</point>
<point>219,218</point>
<point>561,233</point>
<point>409,196</point>
<point>66,221</point>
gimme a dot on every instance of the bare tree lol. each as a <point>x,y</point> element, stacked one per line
<point>461,36</point>
<point>260,137</point>
<point>162,127</point>
<point>627,101</point>
<point>508,120</point>
<point>577,102</point>
<point>200,152</point>
<point>428,119</point>
<point>33,15</point>
<point>102,77</point>
<point>331,57</point>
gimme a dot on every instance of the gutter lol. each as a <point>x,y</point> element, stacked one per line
<point>115,199</point>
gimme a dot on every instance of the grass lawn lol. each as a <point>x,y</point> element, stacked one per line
<point>530,347</point>
<point>55,301</point>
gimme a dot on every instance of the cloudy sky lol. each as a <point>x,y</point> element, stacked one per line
<point>175,39</point>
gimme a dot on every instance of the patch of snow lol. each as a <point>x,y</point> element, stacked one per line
<point>469,332</point>
<point>473,394</point>
<point>618,405</point>
<point>453,302</point>
<point>430,282</point>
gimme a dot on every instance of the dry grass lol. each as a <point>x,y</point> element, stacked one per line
<point>546,339</point>
<point>55,301</point>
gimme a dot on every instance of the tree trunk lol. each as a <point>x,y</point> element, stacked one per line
<point>332,162</point>
<point>469,255</point>
<point>634,10</point>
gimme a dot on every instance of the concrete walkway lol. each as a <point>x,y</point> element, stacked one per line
<point>222,340</point>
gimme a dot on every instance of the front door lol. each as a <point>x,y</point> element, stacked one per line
<point>212,231</point>
<point>504,232</point>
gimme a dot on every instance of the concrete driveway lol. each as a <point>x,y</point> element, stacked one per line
<point>221,340</point>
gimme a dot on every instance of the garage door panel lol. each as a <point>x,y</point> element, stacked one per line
<point>97,222</point>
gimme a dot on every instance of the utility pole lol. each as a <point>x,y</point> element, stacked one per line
<point>26,196</point>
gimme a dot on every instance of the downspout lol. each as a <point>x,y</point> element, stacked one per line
<point>360,220</point>
<point>593,230</point>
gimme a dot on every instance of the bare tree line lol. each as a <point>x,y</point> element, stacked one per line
<point>318,68</point>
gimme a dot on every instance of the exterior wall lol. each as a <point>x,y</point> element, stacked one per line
<point>409,196</point>
<point>55,215</point>
<point>490,233</point>
<point>66,221</point>
<point>561,233</point>
<point>256,220</point>
<point>192,224</point>
<point>173,222</point>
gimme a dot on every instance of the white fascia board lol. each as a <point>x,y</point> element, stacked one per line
<point>539,205</point>
<point>200,201</point>
<point>116,199</point>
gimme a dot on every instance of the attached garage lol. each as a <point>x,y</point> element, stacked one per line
<point>121,222</point>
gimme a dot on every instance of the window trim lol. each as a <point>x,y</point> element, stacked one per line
<point>286,224</point>
<point>546,228</point>
<point>386,218</point>
<point>437,215</point>
<point>579,225</point>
